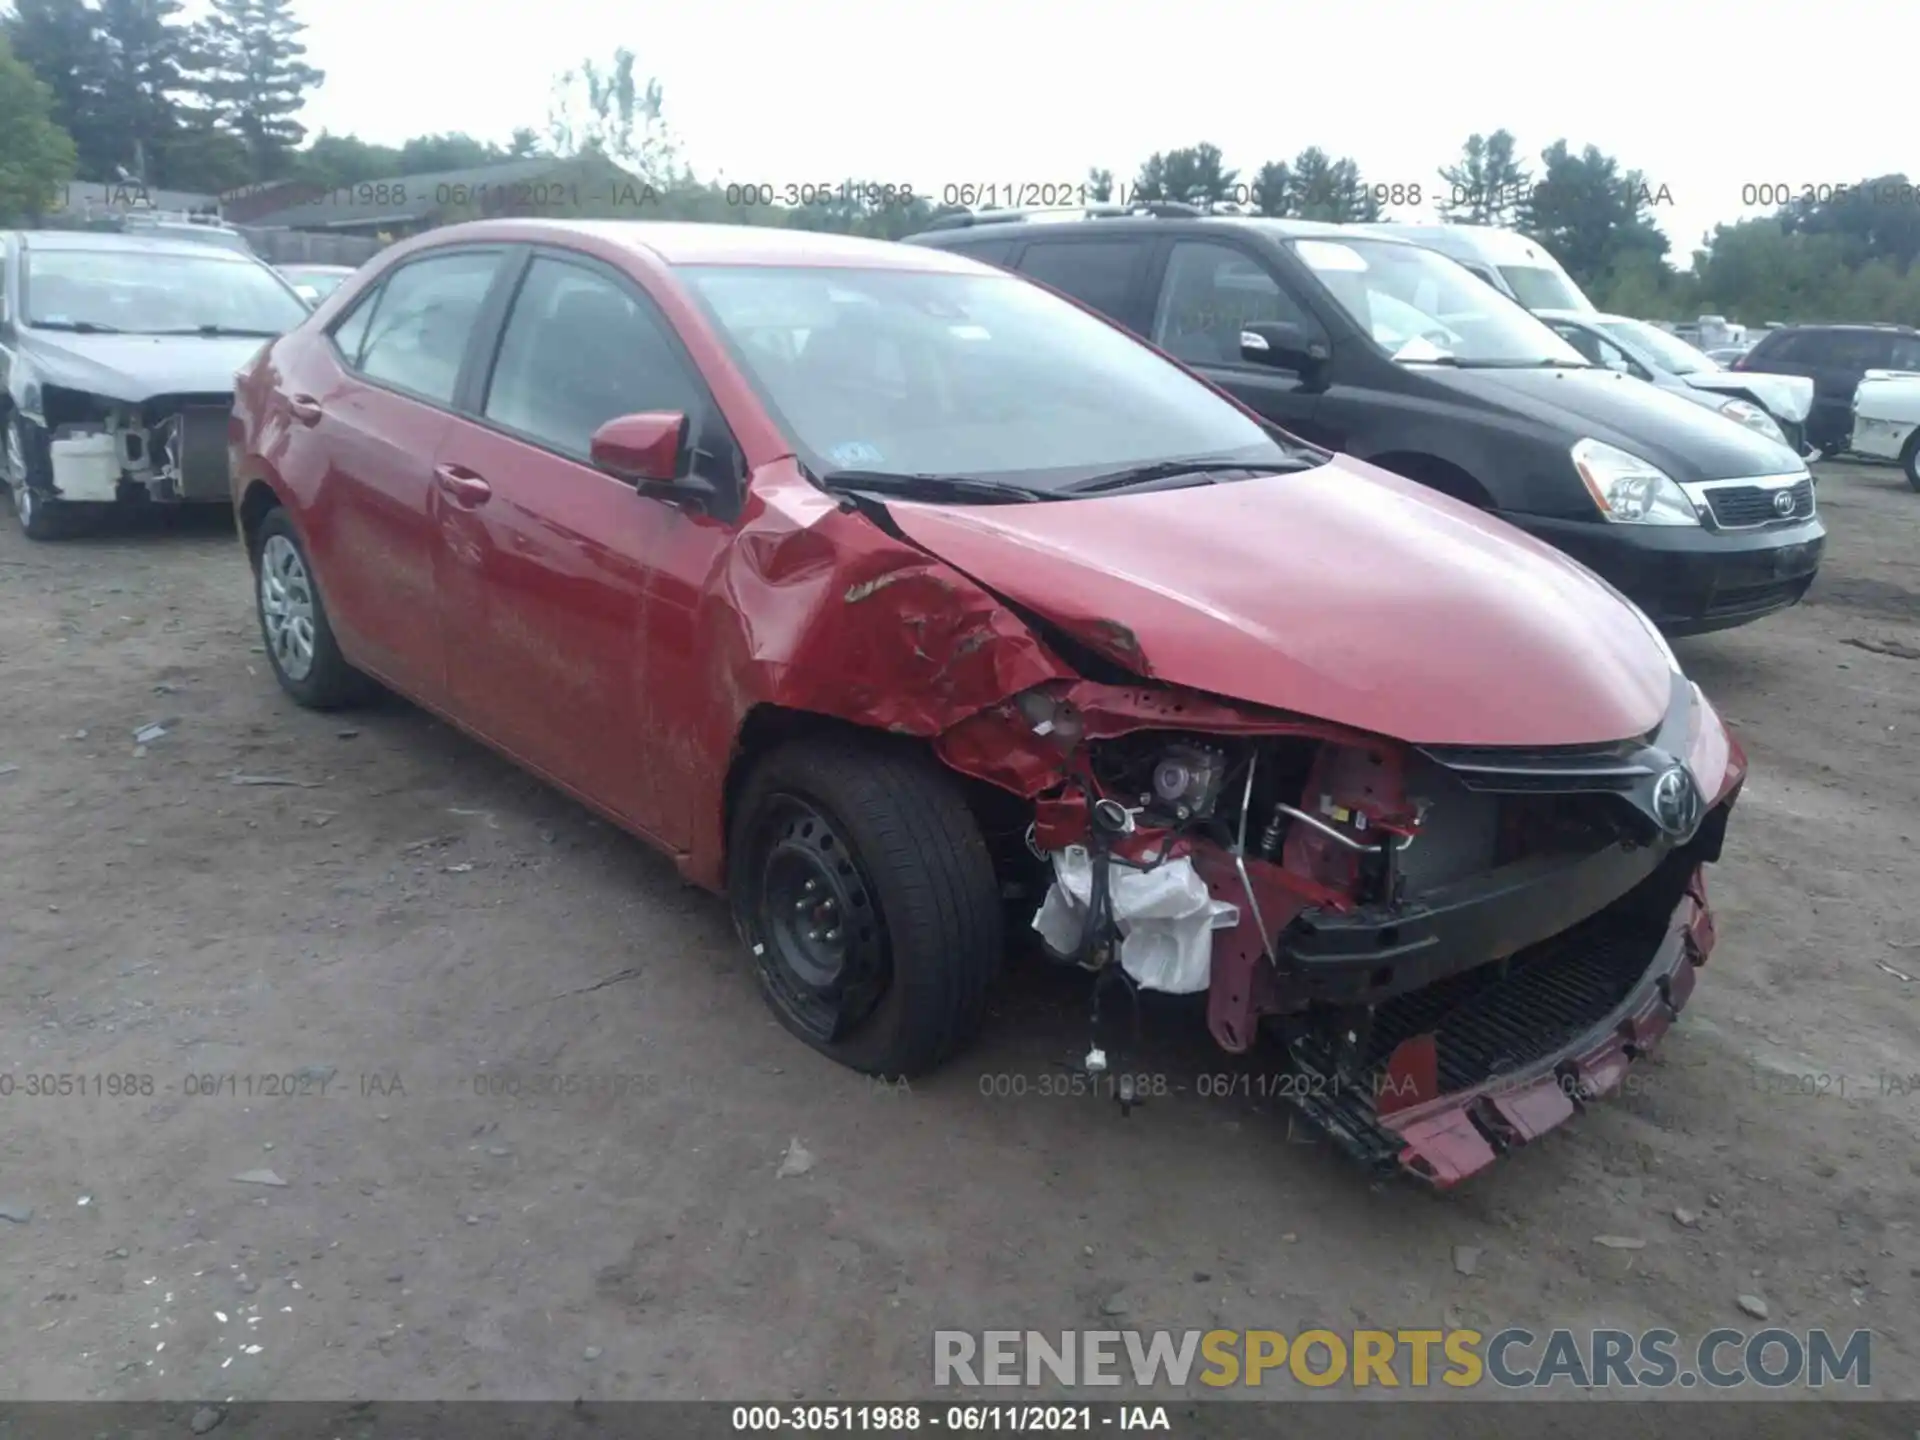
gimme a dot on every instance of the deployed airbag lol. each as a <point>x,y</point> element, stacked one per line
<point>1166,917</point>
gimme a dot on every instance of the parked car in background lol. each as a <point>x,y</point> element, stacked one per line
<point>315,282</point>
<point>192,226</point>
<point>117,358</point>
<point>1836,358</point>
<point>1886,419</point>
<point>1516,265</point>
<point>1772,405</point>
<point>1397,355</point>
<point>894,598</point>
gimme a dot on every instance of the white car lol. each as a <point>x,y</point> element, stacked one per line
<point>1886,419</point>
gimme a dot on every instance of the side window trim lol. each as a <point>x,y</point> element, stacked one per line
<point>504,267</point>
<point>707,426</point>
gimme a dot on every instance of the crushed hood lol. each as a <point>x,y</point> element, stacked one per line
<point>132,368</point>
<point>1786,397</point>
<point>1343,593</point>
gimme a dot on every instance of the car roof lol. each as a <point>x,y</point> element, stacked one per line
<point>1869,327</point>
<point>143,241</point>
<point>679,242</point>
<point>1153,224</point>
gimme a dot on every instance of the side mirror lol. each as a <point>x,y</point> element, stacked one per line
<point>1282,345</point>
<point>648,451</point>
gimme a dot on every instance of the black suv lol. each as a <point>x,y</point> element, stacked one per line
<point>1835,357</point>
<point>1399,356</point>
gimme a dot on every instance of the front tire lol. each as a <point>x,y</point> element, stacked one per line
<point>29,479</point>
<point>1910,459</point>
<point>861,884</point>
<point>306,658</point>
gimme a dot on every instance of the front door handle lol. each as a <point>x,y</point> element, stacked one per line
<point>462,484</point>
<point>305,409</point>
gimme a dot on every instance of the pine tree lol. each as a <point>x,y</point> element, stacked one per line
<point>252,75</point>
<point>141,50</point>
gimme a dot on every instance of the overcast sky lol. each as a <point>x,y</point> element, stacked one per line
<point>934,92</point>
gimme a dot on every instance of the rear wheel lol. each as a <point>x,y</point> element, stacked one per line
<point>306,659</point>
<point>861,884</point>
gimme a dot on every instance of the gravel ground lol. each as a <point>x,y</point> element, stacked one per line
<point>416,919</point>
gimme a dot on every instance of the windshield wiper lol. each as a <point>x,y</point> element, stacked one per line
<point>929,486</point>
<point>1176,469</point>
<point>78,327</point>
<point>218,332</point>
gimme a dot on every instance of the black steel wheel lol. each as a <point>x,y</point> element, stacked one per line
<point>864,891</point>
<point>823,942</point>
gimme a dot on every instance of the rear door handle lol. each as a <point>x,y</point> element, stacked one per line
<point>305,409</point>
<point>462,484</point>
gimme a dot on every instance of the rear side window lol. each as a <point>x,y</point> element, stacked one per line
<point>1211,292</point>
<point>418,333</point>
<point>1100,273</point>
<point>1855,350</point>
<point>1906,353</point>
<point>578,351</point>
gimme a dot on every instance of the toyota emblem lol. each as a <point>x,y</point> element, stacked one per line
<point>1676,802</point>
<point>1783,502</point>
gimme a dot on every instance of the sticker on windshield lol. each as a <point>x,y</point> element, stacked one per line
<point>969,332</point>
<point>1330,255</point>
<point>1419,348</point>
<point>856,455</point>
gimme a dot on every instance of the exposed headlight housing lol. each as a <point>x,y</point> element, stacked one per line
<point>1746,413</point>
<point>1629,490</point>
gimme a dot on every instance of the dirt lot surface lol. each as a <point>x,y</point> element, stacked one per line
<point>416,919</point>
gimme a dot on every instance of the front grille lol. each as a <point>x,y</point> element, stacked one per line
<point>1739,506</point>
<point>1486,1023</point>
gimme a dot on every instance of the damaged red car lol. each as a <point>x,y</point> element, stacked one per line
<point>917,610</point>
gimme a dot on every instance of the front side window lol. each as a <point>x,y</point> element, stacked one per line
<point>142,292</point>
<point>980,376</point>
<point>418,332</point>
<point>1211,292</point>
<point>1906,353</point>
<point>1387,287</point>
<point>578,351</point>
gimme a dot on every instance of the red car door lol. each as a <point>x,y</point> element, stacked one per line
<point>370,408</point>
<point>545,567</point>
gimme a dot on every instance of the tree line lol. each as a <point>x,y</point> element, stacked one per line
<point>128,91</point>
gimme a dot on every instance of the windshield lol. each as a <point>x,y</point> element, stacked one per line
<point>1538,288</point>
<point>982,376</point>
<point>150,292</point>
<point>1421,307</point>
<point>1674,355</point>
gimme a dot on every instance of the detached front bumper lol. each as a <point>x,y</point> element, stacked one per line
<point>1691,580</point>
<point>1461,1073</point>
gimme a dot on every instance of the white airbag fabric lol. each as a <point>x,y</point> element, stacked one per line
<point>1166,918</point>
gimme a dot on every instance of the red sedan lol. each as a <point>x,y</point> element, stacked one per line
<point>918,609</point>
